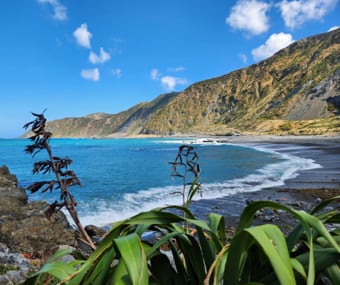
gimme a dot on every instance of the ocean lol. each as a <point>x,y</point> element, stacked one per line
<point>122,177</point>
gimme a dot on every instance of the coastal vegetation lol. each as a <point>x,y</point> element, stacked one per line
<point>190,251</point>
<point>64,178</point>
<point>186,163</point>
<point>202,253</point>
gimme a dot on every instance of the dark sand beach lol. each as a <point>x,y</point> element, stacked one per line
<point>302,192</point>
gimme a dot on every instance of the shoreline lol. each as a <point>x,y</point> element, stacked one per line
<point>304,191</point>
<point>307,187</point>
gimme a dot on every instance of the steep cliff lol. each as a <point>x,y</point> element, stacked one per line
<point>300,82</point>
<point>296,91</point>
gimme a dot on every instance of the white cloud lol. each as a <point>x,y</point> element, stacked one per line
<point>90,74</point>
<point>297,12</point>
<point>83,36</point>
<point>170,82</point>
<point>250,16</point>
<point>155,74</point>
<point>117,72</point>
<point>60,11</point>
<point>243,57</point>
<point>333,28</point>
<point>272,45</point>
<point>101,58</point>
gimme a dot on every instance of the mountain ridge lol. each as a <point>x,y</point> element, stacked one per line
<point>296,91</point>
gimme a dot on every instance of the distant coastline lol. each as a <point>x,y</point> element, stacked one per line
<point>304,191</point>
<point>232,137</point>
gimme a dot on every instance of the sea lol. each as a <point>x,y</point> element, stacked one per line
<point>122,177</point>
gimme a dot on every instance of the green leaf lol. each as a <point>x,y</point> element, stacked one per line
<point>273,243</point>
<point>323,257</point>
<point>194,188</point>
<point>100,272</point>
<point>132,253</point>
<point>237,256</point>
<point>57,269</point>
<point>333,273</point>
<point>249,212</point>
<point>298,267</point>
<point>324,204</point>
<point>217,225</point>
<point>192,257</point>
<point>120,275</point>
<point>163,271</point>
<point>217,268</point>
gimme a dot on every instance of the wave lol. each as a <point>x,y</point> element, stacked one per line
<point>103,211</point>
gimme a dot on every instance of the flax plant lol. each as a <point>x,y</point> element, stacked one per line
<point>64,178</point>
<point>186,167</point>
<point>263,254</point>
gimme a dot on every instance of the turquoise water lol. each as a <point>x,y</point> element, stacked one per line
<point>121,177</point>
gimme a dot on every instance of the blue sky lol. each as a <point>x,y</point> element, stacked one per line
<point>81,57</point>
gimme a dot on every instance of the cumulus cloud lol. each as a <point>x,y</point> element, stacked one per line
<point>249,16</point>
<point>272,45</point>
<point>243,57</point>
<point>170,82</point>
<point>155,74</point>
<point>83,36</point>
<point>60,11</point>
<point>101,58</point>
<point>333,28</point>
<point>90,74</point>
<point>297,12</point>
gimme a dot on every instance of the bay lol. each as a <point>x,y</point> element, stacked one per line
<point>121,177</point>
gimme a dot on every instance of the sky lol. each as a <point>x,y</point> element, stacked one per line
<point>76,58</point>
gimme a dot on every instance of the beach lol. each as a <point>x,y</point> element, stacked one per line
<point>304,191</point>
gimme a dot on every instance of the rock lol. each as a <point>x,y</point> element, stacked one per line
<point>11,196</point>
<point>94,231</point>
<point>13,267</point>
<point>30,231</point>
<point>24,227</point>
<point>26,231</point>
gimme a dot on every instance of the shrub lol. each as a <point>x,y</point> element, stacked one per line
<point>201,254</point>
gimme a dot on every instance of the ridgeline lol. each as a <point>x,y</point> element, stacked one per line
<point>296,92</point>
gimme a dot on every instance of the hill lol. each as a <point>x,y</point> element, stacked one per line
<point>296,91</point>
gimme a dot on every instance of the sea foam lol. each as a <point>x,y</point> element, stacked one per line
<point>103,212</point>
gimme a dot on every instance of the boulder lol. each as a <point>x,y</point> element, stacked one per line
<point>24,227</point>
<point>12,197</point>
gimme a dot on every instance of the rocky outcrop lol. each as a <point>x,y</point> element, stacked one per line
<point>300,82</point>
<point>25,232</point>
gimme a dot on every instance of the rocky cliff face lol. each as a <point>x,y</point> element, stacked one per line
<point>24,227</point>
<point>296,91</point>
<point>300,82</point>
<point>27,237</point>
